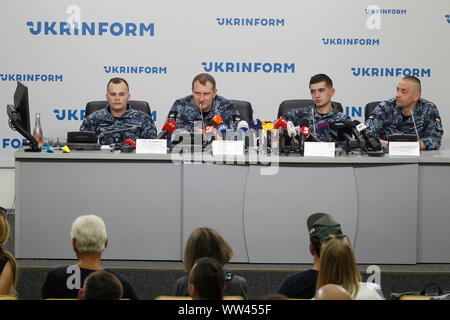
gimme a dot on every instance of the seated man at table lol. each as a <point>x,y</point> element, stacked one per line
<point>203,105</point>
<point>118,121</point>
<point>407,113</point>
<point>322,111</point>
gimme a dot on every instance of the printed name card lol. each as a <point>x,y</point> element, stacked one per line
<point>319,149</point>
<point>151,146</point>
<point>404,148</point>
<point>227,148</point>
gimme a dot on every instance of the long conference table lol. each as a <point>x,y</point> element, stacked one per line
<point>395,210</point>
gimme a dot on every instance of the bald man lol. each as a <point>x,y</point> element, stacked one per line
<point>332,292</point>
<point>407,113</point>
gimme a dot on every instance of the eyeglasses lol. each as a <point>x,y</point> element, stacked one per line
<point>332,236</point>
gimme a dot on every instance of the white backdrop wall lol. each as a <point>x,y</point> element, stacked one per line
<point>261,51</point>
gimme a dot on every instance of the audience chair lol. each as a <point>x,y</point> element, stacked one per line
<point>369,108</point>
<point>93,106</point>
<point>189,298</point>
<point>287,105</point>
<point>245,109</point>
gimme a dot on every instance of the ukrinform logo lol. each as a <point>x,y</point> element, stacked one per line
<point>31,77</point>
<point>350,42</point>
<point>135,69</point>
<point>377,10</point>
<point>390,72</point>
<point>251,22</point>
<point>447,16</point>
<point>64,28</point>
<point>249,67</point>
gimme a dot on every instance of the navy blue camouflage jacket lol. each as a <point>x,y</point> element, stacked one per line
<point>296,116</point>
<point>133,124</point>
<point>185,113</point>
<point>387,119</point>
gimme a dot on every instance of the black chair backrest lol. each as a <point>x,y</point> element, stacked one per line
<point>93,106</point>
<point>245,109</point>
<point>287,105</point>
<point>369,108</point>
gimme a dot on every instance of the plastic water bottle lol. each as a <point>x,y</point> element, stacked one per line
<point>37,133</point>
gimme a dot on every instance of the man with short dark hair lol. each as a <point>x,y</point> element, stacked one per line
<point>101,285</point>
<point>203,105</point>
<point>118,121</point>
<point>322,111</point>
<point>207,280</point>
<point>407,113</point>
<point>302,285</point>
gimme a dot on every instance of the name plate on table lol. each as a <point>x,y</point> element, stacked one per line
<point>404,148</point>
<point>151,146</point>
<point>319,149</point>
<point>227,148</point>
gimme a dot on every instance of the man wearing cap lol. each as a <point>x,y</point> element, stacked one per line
<point>302,285</point>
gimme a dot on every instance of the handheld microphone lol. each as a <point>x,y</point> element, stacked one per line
<point>223,130</point>
<point>242,132</point>
<point>167,129</point>
<point>217,119</point>
<point>290,129</point>
<point>372,142</point>
<point>324,128</point>
<point>281,126</point>
<point>255,127</point>
<point>352,127</point>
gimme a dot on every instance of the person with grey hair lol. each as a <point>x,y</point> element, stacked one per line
<point>89,239</point>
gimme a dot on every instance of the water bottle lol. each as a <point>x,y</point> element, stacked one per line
<point>37,133</point>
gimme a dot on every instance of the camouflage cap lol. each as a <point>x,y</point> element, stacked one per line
<point>321,225</point>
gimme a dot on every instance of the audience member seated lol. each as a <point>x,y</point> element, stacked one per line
<point>338,266</point>
<point>275,296</point>
<point>207,280</point>
<point>207,242</point>
<point>302,285</point>
<point>101,285</point>
<point>332,292</point>
<point>8,265</point>
<point>89,239</point>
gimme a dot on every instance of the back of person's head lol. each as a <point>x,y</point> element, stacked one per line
<point>206,242</point>
<point>101,285</point>
<point>338,264</point>
<point>275,296</point>
<point>320,226</point>
<point>90,234</point>
<point>321,78</point>
<point>207,280</point>
<point>4,236</point>
<point>332,292</point>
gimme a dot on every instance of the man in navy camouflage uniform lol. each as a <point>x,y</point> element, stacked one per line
<point>321,88</point>
<point>117,121</point>
<point>204,99</point>
<point>394,116</point>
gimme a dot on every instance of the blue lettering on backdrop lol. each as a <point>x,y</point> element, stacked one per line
<point>350,42</point>
<point>89,28</point>
<point>135,69</point>
<point>355,111</point>
<point>390,72</point>
<point>31,77</point>
<point>14,143</point>
<point>72,114</point>
<point>243,22</point>
<point>385,11</point>
<point>250,67</point>
<point>448,18</point>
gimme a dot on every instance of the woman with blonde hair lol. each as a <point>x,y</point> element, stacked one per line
<point>8,265</point>
<point>338,266</point>
<point>207,242</point>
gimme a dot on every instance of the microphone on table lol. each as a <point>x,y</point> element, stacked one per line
<point>167,129</point>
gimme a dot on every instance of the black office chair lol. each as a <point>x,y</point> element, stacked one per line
<point>93,106</point>
<point>287,105</point>
<point>369,108</point>
<point>245,109</point>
